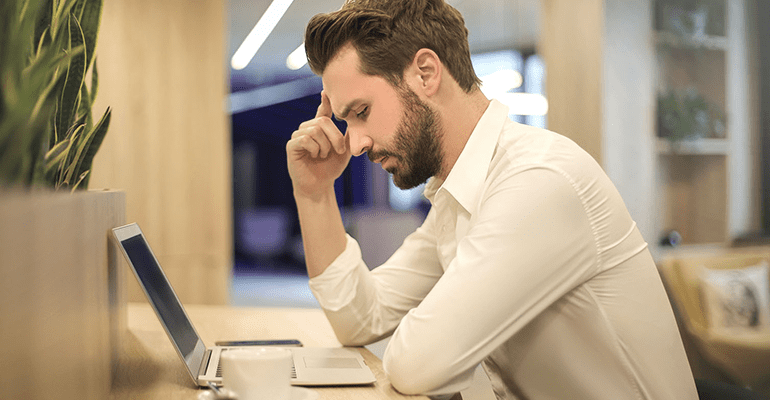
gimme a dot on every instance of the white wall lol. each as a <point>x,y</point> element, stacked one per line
<point>628,104</point>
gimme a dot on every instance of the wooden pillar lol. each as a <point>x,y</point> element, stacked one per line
<point>162,70</point>
<point>571,45</point>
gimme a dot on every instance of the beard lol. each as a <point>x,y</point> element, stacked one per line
<point>417,143</point>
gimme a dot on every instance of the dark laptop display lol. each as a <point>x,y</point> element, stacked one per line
<point>163,298</point>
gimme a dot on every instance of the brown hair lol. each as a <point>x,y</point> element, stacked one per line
<point>388,33</point>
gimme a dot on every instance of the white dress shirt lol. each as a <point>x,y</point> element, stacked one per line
<point>529,263</point>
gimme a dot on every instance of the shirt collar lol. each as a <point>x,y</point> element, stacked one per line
<point>469,173</point>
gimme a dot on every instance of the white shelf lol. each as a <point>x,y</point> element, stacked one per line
<point>693,147</point>
<point>695,42</point>
<point>661,253</point>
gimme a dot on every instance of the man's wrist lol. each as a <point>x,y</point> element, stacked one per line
<point>316,196</point>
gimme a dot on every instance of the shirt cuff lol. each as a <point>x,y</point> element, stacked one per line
<point>334,288</point>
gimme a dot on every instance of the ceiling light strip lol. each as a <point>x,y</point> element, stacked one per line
<point>297,59</point>
<point>261,31</point>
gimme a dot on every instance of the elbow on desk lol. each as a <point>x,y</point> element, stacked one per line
<point>349,338</point>
<point>413,374</point>
<point>353,341</point>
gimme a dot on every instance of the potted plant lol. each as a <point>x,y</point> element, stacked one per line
<point>687,115</point>
<point>47,134</point>
<point>60,285</point>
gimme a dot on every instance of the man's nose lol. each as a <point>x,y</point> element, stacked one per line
<point>359,142</point>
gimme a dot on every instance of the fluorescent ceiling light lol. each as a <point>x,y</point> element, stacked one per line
<point>261,31</point>
<point>500,81</point>
<point>525,103</point>
<point>297,59</point>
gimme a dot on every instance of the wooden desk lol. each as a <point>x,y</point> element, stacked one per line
<point>149,367</point>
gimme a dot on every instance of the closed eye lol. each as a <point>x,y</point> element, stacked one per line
<point>363,113</point>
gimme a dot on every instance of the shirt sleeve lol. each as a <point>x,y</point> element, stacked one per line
<point>364,306</point>
<point>530,244</point>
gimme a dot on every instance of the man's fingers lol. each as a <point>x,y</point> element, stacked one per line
<point>322,131</point>
<point>327,127</point>
<point>325,108</point>
<point>304,144</point>
<point>315,139</point>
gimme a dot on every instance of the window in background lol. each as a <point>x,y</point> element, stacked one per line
<point>404,200</point>
<point>500,72</point>
<point>534,82</point>
<point>517,80</point>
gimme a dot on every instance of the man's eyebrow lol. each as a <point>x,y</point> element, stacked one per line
<point>346,110</point>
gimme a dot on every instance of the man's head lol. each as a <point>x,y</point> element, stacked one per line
<point>388,33</point>
<point>391,123</point>
<point>371,54</point>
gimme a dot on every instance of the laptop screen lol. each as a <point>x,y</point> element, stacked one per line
<point>161,294</point>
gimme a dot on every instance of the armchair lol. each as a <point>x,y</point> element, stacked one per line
<point>741,355</point>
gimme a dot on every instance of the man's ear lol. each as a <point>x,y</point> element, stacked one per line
<point>426,70</point>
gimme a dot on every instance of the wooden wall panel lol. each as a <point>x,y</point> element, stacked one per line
<point>162,70</point>
<point>571,45</point>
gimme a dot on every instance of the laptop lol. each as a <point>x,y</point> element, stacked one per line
<point>313,366</point>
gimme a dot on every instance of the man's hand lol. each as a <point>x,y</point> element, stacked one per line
<point>317,153</point>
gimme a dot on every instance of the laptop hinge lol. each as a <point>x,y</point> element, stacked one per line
<point>205,364</point>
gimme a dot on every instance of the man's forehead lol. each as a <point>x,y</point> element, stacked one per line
<point>347,87</point>
<point>346,97</point>
<point>341,79</point>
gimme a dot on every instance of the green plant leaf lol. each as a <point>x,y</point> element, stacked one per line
<point>80,180</point>
<point>77,129</point>
<point>61,12</point>
<point>75,75</point>
<point>94,82</point>
<point>79,141</point>
<point>43,17</point>
<point>44,40</point>
<point>55,156</point>
<point>77,9</point>
<point>54,171</point>
<point>90,18</point>
<point>94,142</point>
<point>84,111</point>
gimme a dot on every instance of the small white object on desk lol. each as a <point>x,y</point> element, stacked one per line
<point>259,373</point>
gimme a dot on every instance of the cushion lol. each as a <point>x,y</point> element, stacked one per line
<point>737,298</point>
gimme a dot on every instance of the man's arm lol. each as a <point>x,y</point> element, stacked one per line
<point>323,234</point>
<point>317,154</point>
<point>531,243</point>
<point>364,306</point>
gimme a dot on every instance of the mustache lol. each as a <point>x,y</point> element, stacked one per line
<point>377,155</point>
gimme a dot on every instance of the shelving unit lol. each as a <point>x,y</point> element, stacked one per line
<point>703,181</point>
<point>703,146</point>
<point>708,42</point>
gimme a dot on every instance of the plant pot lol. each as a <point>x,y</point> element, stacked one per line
<point>61,297</point>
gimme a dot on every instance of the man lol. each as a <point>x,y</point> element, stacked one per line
<point>527,262</point>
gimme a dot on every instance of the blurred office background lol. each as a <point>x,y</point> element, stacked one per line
<point>672,97</point>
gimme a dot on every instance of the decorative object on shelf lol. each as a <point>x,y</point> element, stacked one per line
<point>47,133</point>
<point>687,115</point>
<point>691,18</point>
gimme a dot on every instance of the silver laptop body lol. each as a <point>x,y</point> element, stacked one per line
<point>313,366</point>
